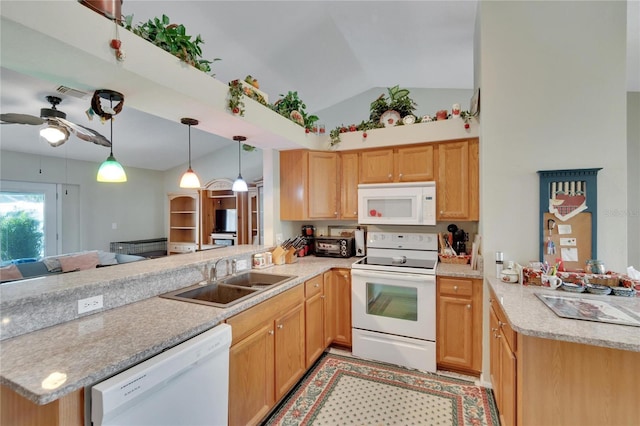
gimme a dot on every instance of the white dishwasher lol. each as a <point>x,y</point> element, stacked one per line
<point>185,385</point>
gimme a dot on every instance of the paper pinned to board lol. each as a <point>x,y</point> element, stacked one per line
<point>568,241</point>
<point>569,254</point>
<point>564,229</point>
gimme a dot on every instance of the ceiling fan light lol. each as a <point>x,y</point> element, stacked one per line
<point>54,134</point>
<point>111,171</point>
<point>189,179</point>
<point>239,185</point>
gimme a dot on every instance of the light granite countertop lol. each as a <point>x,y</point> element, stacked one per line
<point>86,350</point>
<point>530,316</point>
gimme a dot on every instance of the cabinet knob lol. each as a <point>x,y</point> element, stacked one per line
<point>355,213</point>
<point>441,211</point>
<point>270,332</point>
<point>280,326</point>
<point>322,297</point>
<point>390,176</point>
<point>316,285</point>
<point>469,306</point>
<point>494,330</point>
<point>400,175</point>
<point>335,213</point>
<point>455,288</point>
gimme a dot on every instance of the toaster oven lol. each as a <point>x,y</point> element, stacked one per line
<point>335,246</point>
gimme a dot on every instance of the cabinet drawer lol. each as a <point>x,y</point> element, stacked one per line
<point>182,248</point>
<point>455,286</point>
<point>247,321</point>
<point>313,286</point>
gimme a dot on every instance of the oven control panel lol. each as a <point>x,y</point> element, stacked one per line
<point>403,240</point>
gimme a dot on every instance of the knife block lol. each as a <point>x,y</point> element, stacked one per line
<point>290,255</point>
<point>278,255</point>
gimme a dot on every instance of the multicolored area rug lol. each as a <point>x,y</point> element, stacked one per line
<point>342,390</point>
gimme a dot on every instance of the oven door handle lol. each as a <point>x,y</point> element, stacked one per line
<point>387,275</point>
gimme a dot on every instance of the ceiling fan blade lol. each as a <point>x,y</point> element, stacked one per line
<point>85,133</point>
<point>21,119</point>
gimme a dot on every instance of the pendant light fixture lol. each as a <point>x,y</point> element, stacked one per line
<point>111,170</point>
<point>189,178</point>
<point>239,185</point>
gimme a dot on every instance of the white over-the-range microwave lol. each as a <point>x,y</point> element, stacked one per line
<point>407,203</point>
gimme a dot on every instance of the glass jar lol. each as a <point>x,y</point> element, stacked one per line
<point>595,266</point>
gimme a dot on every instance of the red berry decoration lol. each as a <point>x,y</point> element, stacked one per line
<point>353,128</point>
<point>466,125</point>
<point>115,44</point>
<point>236,110</point>
<point>306,130</point>
<point>364,135</point>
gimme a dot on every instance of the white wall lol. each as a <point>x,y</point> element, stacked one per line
<point>633,164</point>
<point>552,97</point>
<point>552,79</point>
<point>131,206</point>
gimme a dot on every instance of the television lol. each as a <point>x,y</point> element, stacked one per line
<point>226,220</point>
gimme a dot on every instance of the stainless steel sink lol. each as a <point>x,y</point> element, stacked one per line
<point>228,291</point>
<point>257,280</point>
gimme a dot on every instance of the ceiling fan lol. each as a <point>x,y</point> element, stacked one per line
<point>58,127</point>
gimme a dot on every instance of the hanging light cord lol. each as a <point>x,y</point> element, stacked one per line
<point>239,165</point>
<point>111,122</point>
<point>189,146</point>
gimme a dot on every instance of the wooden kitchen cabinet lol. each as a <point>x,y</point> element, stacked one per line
<point>459,324</point>
<point>17,410</point>
<point>183,223</point>
<point>503,363</point>
<point>404,164</point>
<point>457,180</point>
<point>267,355</point>
<point>289,350</point>
<point>349,179</point>
<point>308,185</point>
<point>315,319</point>
<point>341,284</point>
<point>329,309</point>
<point>251,377</point>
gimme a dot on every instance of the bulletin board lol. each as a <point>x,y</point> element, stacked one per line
<point>570,239</point>
<point>568,217</point>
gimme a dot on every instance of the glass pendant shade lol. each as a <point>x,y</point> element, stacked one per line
<point>189,178</point>
<point>239,185</point>
<point>111,171</point>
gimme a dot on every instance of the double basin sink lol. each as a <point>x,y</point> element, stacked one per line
<point>228,291</point>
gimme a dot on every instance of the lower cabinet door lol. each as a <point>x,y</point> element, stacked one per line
<point>455,332</point>
<point>508,383</point>
<point>314,328</point>
<point>251,377</point>
<point>289,350</point>
<point>341,281</point>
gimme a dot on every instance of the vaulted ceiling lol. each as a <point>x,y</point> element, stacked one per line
<point>327,51</point>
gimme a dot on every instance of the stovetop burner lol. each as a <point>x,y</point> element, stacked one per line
<point>400,252</point>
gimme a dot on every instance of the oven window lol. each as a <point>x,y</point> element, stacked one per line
<point>392,301</point>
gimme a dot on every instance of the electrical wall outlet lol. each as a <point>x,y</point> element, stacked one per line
<point>241,265</point>
<point>89,304</point>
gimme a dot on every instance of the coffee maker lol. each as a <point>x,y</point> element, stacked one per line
<point>308,232</point>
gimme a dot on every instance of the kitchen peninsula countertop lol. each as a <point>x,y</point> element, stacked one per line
<point>529,316</point>
<point>49,363</point>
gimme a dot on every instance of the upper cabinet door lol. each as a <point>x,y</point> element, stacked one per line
<point>349,185</point>
<point>414,164</point>
<point>376,166</point>
<point>457,180</point>
<point>323,185</point>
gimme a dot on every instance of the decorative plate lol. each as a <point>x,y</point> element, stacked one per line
<point>623,291</point>
<point>598,289</point>
<point>408,119</point>
<point>297,117</point>
<point>573,288</point>
<point>390,118</point>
